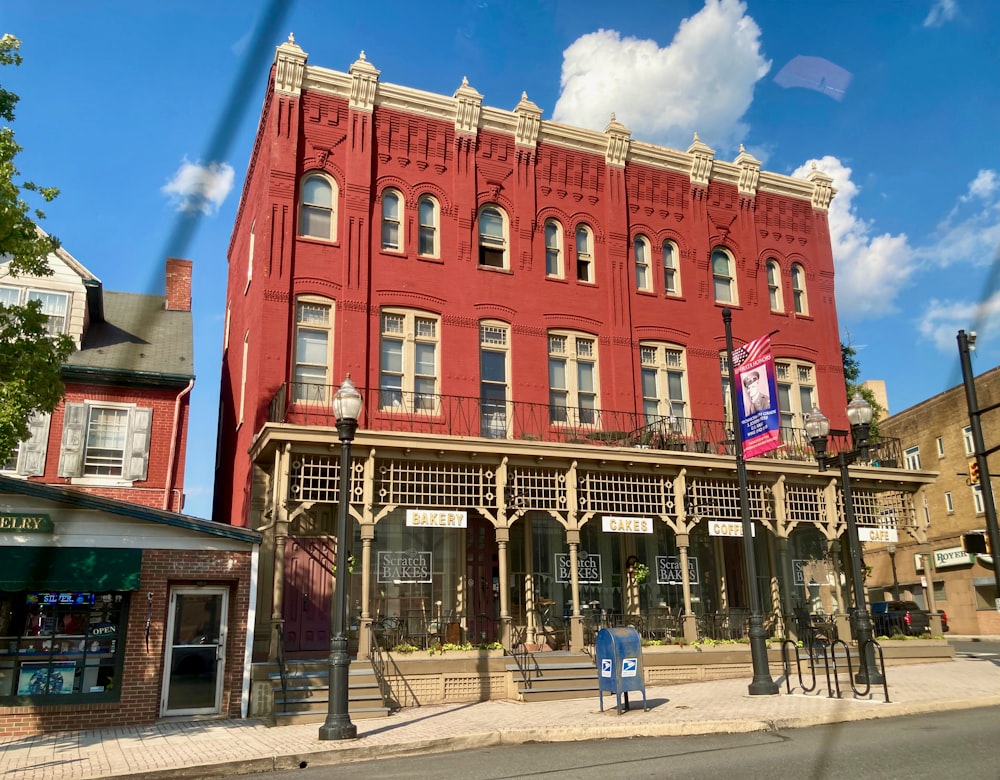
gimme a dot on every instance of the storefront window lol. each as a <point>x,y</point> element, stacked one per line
<point>56,644</point>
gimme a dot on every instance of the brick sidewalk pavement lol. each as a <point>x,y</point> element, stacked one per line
<point>214,748</point>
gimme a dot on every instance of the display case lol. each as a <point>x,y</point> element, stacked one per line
<point>60,644</point>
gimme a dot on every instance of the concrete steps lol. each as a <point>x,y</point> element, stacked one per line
<point>553,676</point>
<point>307,692</point>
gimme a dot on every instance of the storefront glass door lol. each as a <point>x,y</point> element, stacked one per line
<point>196,653</point>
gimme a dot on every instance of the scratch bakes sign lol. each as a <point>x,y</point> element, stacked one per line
<point>588,568</point>
<point>437,518</point>
<point>668,570</point>
<point>25,524</point>
<point>409,566</point>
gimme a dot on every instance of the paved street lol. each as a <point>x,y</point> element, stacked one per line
<point>217,748</point>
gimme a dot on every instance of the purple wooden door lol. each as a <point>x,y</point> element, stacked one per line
<point>308,585</point>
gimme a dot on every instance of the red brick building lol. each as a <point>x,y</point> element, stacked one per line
<point>114,608</point>
<point>533,313</point>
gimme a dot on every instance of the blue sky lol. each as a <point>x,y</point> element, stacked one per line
<point>144,115</point>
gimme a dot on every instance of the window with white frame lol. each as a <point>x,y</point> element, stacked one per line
<point>494,359</point>
<point>243,374</point>
<point>723,278</point>
<point>492,237</point>
<point>911,457</point>
<point>317,207</point>
<point>774,296</point>
<point>313,331</point>
<point>573,391</point>
<point>105,441</point>
<point>408,364</point>
<point>392,220</point>
<point>428,214</point>
<point>799,289</point>
<point>940,446</point>
<point>640,252</point>
<point>54,305</point>
<point>796,384</point>
<point>584,254</point>
<point>663,381</point>
<point>977,499</point>
<point>949,502</point>
<point>27,458</point>
<point>671,270</point>
<point>970,445</point>
<point>250,257</point>
<point>553,249</point>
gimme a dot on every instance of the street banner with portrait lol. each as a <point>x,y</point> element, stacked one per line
<point>760,423</point>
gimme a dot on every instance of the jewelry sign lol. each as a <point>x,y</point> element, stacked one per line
<point>668,570</point>
<point>588,568</point>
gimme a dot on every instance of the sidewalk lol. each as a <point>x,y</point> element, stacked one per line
<point>215,748</point>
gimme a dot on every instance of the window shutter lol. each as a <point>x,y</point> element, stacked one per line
<point>136,463</point>
<point>71,454</point>
<point>31,460</point>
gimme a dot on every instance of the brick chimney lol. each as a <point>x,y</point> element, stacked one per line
<point>178,284</point>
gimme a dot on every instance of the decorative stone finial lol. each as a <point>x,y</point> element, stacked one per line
<point>465,81</point>
<point>291,37</point>
<point>362,55</point>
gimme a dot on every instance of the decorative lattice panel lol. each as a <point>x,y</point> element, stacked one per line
<point>537,489</point>
<point>625,493</point>
<point>317,478</point>
<point>805,503</point>
<point>881,509</point>
<point>474,687</point>
<point>720,500</point>
<point>420,483</point>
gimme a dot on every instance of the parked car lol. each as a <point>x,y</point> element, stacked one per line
<point>900,617</point>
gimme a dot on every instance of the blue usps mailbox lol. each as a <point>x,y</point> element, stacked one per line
<point>619,664</point>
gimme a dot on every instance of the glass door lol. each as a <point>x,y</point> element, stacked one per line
<point>196,653</point>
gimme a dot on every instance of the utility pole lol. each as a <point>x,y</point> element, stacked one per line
<point>966,343</point>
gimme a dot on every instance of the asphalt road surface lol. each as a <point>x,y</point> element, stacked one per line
<point>959,744</point>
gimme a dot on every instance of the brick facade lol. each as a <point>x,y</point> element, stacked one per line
<point>142,676</point>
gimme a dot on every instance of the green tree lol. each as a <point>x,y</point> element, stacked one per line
<point>852,380</point>
<point>30,358</point>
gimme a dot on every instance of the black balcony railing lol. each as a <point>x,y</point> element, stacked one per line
<point>449,415</point>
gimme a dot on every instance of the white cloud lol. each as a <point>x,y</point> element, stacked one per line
<point>983,186</point>
<point>871,270</point>
<point>199,188</point>
<point>944,318</point>
<point>702,82</point>
<point>941,12</point>
<point>971,231</point>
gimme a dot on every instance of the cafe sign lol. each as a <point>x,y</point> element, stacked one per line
<point>25,524</point>
<point>867,533</point>
<point>726,528</point>
<point>437,518</point>
<point>668,570</point>
<point>588,568</point>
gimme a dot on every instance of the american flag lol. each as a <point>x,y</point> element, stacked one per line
<point>739,356</point>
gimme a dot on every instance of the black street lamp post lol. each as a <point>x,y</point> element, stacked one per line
<point>346,408</point>
<point>859,413</point>
<point>891,549</point>
<point>762,684</point>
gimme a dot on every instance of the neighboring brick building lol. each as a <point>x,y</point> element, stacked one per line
<point>935,434</point>
<point>533,313</point>
<point>102,583</point>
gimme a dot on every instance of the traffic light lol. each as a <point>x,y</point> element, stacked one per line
<point>976,543</point>
<point>973,473</point>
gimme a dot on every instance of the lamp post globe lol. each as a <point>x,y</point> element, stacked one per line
<point>346,407</point>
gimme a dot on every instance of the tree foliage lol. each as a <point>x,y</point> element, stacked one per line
<point>852,380</point>
<point>30,358</point>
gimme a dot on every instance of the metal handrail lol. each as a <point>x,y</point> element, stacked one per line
<point>448,415</point>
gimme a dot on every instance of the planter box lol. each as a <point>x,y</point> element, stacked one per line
<point>446,655</point>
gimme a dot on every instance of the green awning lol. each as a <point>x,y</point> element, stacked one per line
<point>69,568</point>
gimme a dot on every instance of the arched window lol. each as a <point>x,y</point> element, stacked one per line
<point>799,290</point>
<point>774,286</point>
<point>671,270</point>
<point>492,238</point>
<point>640,250</point>
<point>584,254</point>
<point>553,249</point>
<point>317,207</point>
<point>427,244</point>
<point>392,220</point>
<point>723,279</point>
